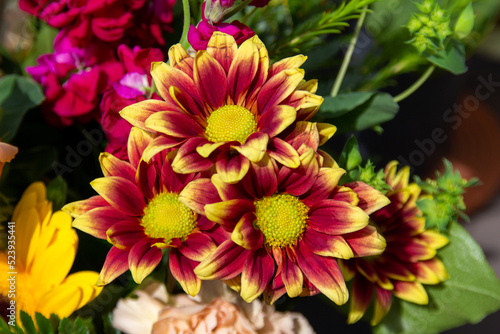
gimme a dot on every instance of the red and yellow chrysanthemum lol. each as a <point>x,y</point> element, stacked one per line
<point>409,259</point>
<point>288,226</point>
<point>143,208</point>
<point>225,106</point>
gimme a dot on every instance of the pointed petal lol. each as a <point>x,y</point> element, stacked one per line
<point>261,180</point>
<point>362,291</point>
<point>116,263</point>
<point>242,71</point>
<point>245,235</point>
<point>287,63</point>
<point>225,263</point>
<point>230,191</point>
<point>276,119</point>
<point>182,270</point>
<point>97,221</point>
<point>231,167</point>
<point>180,59</point>
<point>208,148</point>
<point>223,48</point>
<point>143,259</point>
<point>197,246</point>
<point>257,273</point>
<point>125,234</point>
<point>137,113</point>
<point>255,146</point>
<point>336,218</point>
<point>75,209</point>
<point>383,300</point>
<point>292,278</point>
<point>188,160</point>
<point>433,239</point>
<point>324,273</point>
<point>277,88</point>
<point>228,211</point>
<point>282,152</point>
<point>324,184</point>
<point>409,249</point>
<point>138,140</point>
<point>366,242</point>
<point>112,166</point>
<point>210,79</point>
<point>299,180</point>
<point>327,245</point>
<point>122,194</point>
<point>173,182</point>
<point>198,193</point>
<point>412,292</point>
<point>370,199</point>
<point>174,123</point>
<point>158,145</point>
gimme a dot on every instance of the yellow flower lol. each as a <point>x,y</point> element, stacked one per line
<point>45,248</point>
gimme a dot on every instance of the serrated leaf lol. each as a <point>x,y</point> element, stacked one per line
<point>343,103</point>
<point>43,324</point>
<point>350,157</point>
<point>452,58</point>
<point>56,192</point>
<point>17,95</point>
<point>378,109</point>
<point>28,325</point>
<point>465,22</point>
<point>471,293</point>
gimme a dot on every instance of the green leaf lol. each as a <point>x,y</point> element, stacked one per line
<point>378,109</point>
<point>56,193</point>
<point>471,293</point>
<point>43,324</point>
<point>4,328</point>
<point>350,157</point>
<point>465,22</point>
<point>17,95</point>
<point>342,103</point>
<point>76,326</point>
<point>28,325</point>
<point>452,58</point>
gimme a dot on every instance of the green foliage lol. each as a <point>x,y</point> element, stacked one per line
<point>76,326</point>
<point>376,179</point>
<point>17,95</point>
<point>471,293</point>
<point>444,202</point>
<point>44,325</point>
<point>465,22</point>
<point>358,111</point>
<point>451,58</point>
<point>56,193</point>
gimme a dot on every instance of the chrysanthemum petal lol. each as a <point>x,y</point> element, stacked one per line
<point>242,71</point>
<point>229,211</point>
<point>433,239</point>
<point>198,193</point>
<point>345,194</point>
<point>208,148</point>
<point>179,58</point>
<point>413,292</point>
<point>187,160</point>
<point>257,273</point>
<point>383,300</point>
<point>225,263</point>
<point>255,146</point>
<point>158,145</point>
<point>265,172</point>
<point>327,245</point>
<point>324,273</point>
<point>166,76</point>
<point>394,178</point>
<point>174,123</point>
<point>292,278</point>
<point>116,263</point>
<point>230,191</point>
<point>245,235</point>
<point>75,209</point>
<point>182,270</point>
<point>299,180</point>
<point>287,63</point>
<point>231,167</point>
<point>277,88</point>
<point>282,152</point>
<point>97,221</point>
<point>324,184</point>
<point>361,296</point>
<point>276,119</point>
<point>121,194</point>
<point>138,140</point>
<point>223,48</point>
<point>125,234</point>
<point>336,218</point>
<point>366,242</point>
<point>409,249</point>
<point>208,71</point>
<point>137,113</point>
<point>326,131</point>
<point>197,246</point>
<point>306,102</point>
<point>370,199</point>
<point>112,166</point>
<point>143,259</point>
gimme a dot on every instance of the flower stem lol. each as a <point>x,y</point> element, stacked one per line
<point>348,54</point>
<point>410,90</point>
<point>187,22</point>
<point>236,9</point>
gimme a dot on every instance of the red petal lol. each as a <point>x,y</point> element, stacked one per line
<point>116,263</point>
<point>292,277</point>
<point>366,242</point>
<point>261,180</point>
<point>188,160</point>
<point>336,218</point>
<point>143,259</point>
<point>276,119</point>
<point>231,167</point>
<point>174,182</point>
<point>245,235</point>
<point>138,140</point>
<point>197,246</point>
<point>198,193</point>
<point>299,180</point>
<point>182,270</point>
<point>370,199</point>
<point>327,245</point>
<point>277,88</point>
<point>97,221</point>
<point>174,123</point>
<point>242,71</point>
<point>223,48</point>
<point>210,79</point>
<point>362,291</point>
<point>225,263</point>
<point>112,166</point>
<point>121,194</point>
<point>383,302</point>
<point>125,234</point>
<point>283,153</point>
<point>257,273</point>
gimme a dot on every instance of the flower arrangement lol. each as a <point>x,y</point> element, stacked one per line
<point>171,167</point>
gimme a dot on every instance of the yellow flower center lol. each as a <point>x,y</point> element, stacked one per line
<point>166,217</point>
<point>282,219</point>
<point>230,123</point>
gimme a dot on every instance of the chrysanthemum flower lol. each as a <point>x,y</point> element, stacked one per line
<point>409,259</point>
<point>225,106</point>
<point>143,208</point>
<point>44,249</point>
<point>288,228</point>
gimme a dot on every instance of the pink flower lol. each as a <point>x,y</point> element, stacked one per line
<point>199,36</point>
<point>58,13</point>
